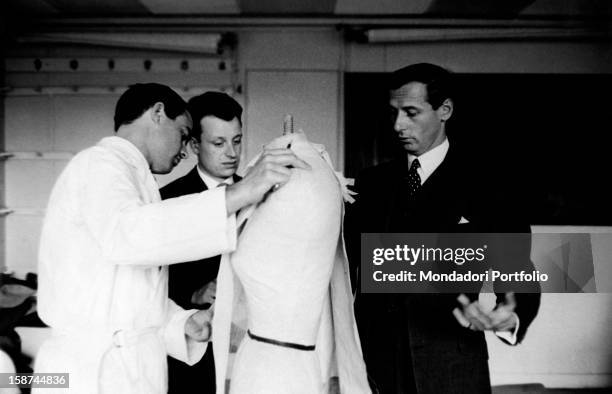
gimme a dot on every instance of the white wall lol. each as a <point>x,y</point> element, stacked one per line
<point>568,345</point>
<point>300,71</point>
<point>63,125</point>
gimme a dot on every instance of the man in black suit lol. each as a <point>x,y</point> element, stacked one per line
<point>433,343</point>
<point>216,138</point>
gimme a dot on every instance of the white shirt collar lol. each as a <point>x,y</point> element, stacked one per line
<point>430,160</point>
<point>211,182</point>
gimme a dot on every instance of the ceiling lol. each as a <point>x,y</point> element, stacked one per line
<point>311,8</point>
<point>20,18</point>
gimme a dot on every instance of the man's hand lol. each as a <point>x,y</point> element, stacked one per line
<point>271,169</point>
<point>503,317</point>
<point>205,294</point>
<point>471,314</point>
<point>197,327</point>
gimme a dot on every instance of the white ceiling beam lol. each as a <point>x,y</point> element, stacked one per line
<point>472,34</point>
<point>192,43</point>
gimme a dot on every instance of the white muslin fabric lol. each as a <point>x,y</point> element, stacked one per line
<point>102,285</point>
<point>7,366</point>
<point>291,268</point>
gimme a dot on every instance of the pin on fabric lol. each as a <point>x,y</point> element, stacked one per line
<point>287,129</point>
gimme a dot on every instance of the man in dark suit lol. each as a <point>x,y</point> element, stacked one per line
<point>216,139</point>
<point>433,343</point>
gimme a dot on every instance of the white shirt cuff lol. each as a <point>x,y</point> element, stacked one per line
<point>510,336</point>
<point>178,345</point>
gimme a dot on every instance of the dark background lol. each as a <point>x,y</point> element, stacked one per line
<point>546,137</point>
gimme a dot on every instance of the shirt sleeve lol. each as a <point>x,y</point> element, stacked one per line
<point>130,231</point>
<point>178,345</point>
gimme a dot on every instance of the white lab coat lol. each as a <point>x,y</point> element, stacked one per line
<point>103,287</point>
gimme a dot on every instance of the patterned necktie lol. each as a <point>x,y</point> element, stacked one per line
<point>413,178</point>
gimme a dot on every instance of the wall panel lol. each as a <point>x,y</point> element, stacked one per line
<point>29,123</point>
<point>22,237</point>
<point>311,97</point>
<point>82,120</point>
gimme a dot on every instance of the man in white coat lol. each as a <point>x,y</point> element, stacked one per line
<point>107,239</point>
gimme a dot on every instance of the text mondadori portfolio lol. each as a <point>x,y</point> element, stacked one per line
<point>431,276</point>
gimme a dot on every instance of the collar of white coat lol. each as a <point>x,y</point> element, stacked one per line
<point>211,182</point>
<point>430,160</point>
<point>128,151</point>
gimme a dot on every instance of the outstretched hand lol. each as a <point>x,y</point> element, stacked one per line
<point>473,316</point>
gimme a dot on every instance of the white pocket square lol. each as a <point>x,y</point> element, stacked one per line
<point>463,220</point>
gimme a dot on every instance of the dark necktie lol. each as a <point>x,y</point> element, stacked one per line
<point>413,178</point>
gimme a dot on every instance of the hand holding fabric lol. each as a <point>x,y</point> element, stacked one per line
<point>197,327</point>
<point>272,168</point>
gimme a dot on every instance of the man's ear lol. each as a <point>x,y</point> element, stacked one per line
<point>195,145</point>
<point>445,111</point>
<point>157,112</point>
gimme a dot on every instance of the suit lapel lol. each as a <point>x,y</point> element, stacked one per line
<point>395,201</point>
<point>194,181</point>
<point>438,204</point>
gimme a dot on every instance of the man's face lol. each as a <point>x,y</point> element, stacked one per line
<point>220,146</point>
<point>419,127</point>
<point>169,143</point>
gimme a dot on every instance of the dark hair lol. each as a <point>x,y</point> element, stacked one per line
<point>216,104</point>
<point>142,96</point>
<point>437,80</point>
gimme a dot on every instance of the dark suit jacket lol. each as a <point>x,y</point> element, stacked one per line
<point>412,342</point>
<point>184,279</point>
